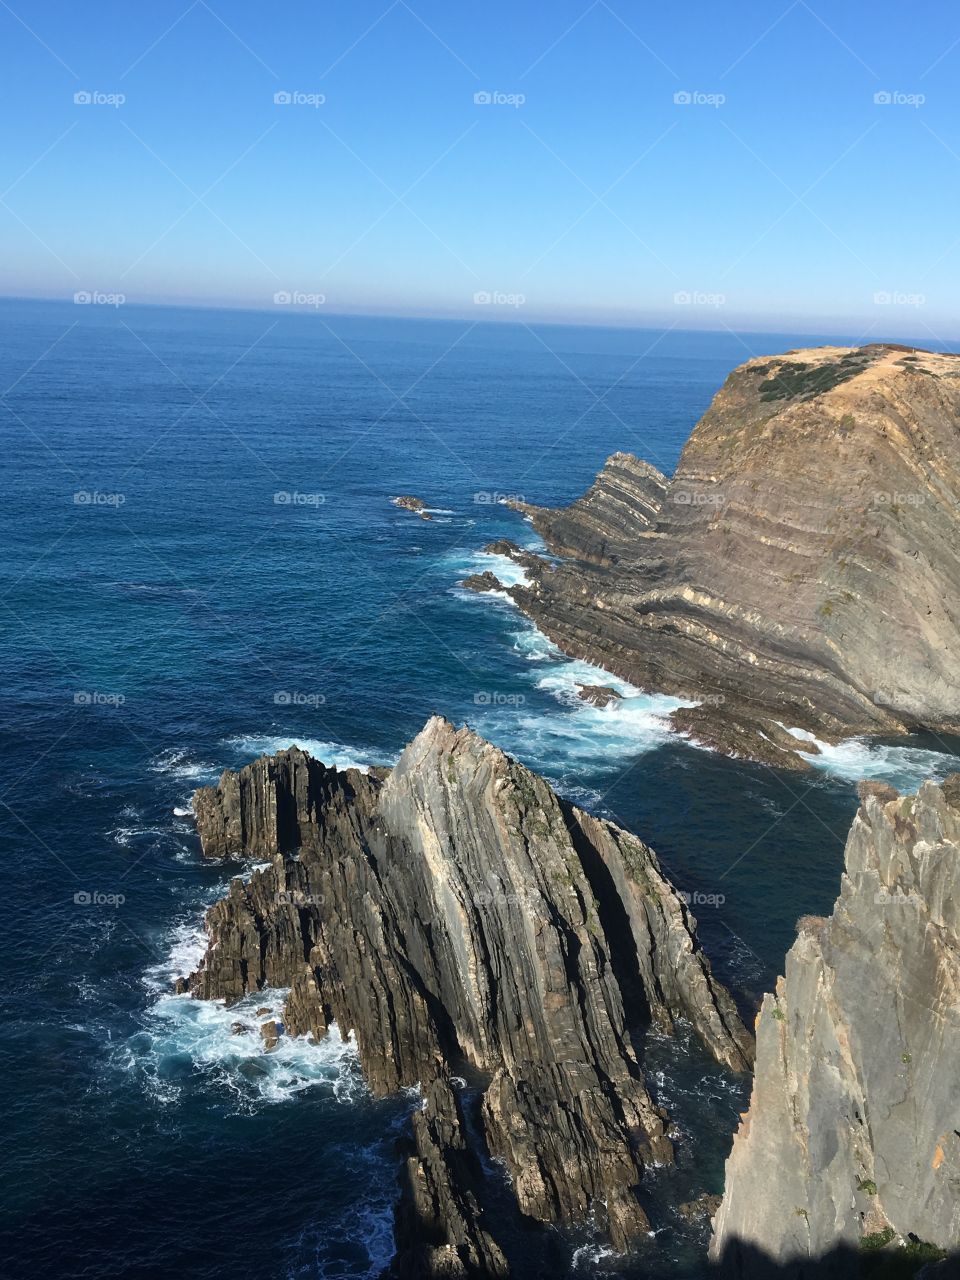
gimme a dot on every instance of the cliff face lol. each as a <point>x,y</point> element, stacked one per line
<point>458,916</point>
<point>802,565</point>
<point>852,1130</point>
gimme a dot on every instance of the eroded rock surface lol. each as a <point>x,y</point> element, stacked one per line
<point>459,912</point>
<point>853,1130</point>
<point>802,566</point>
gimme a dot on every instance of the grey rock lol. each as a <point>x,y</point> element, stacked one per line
<point>852,1128</point>
<point>460,911</point>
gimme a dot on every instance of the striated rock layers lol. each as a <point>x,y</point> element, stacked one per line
<point>456,915</point>
<point>853,1131</point>
<point>802,566</point>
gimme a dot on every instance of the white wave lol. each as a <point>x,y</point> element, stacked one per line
<point>184,1036</point>
<point>178,763</point>
<point>904,767</point>
<point>508,571</point>
<point>248,746</point>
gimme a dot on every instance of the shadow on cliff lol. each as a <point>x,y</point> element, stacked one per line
<point>742,1261</point>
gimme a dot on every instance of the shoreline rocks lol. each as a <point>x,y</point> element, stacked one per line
<point>801,568</point>
<point>456,912</point>
<point>851,1141</point>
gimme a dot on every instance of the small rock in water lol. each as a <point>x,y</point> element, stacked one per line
<point>263,1011</point>
<point>598,695</point>
<point>704,1206</point>
<point>480,582</point>
<point>239,1029</point>
<point>409,503</point>
<point>271,1033</point>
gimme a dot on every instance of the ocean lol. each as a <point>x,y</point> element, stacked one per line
<point>201,562</point>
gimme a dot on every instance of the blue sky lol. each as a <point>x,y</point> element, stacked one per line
<point>782,192</point>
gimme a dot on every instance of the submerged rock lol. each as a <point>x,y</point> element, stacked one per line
<point>801,567</point>
<point>460,911</point>
<point>852,1138</point>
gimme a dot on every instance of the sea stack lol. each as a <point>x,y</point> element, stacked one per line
<point>458,914</point>
<point>801,569</point>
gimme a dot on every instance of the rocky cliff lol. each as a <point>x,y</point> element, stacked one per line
<point>801,567</point>
<point>457,916</point>
<point>852,1138</point>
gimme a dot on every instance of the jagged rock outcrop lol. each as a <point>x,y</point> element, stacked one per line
<point>481,582</point>
<point>455,912</point>
<point>801,567</point>
<point>853,1130</point>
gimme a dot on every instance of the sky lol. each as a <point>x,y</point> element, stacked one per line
<point>600,161</point>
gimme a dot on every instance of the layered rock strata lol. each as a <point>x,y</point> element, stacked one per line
<point>852,1138</point>
<point>458,914</point>
<point>801,568</point>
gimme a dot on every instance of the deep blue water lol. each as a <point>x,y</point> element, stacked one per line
<point>163,614</point>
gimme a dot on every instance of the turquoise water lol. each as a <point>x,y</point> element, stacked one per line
<point>201,562</point>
